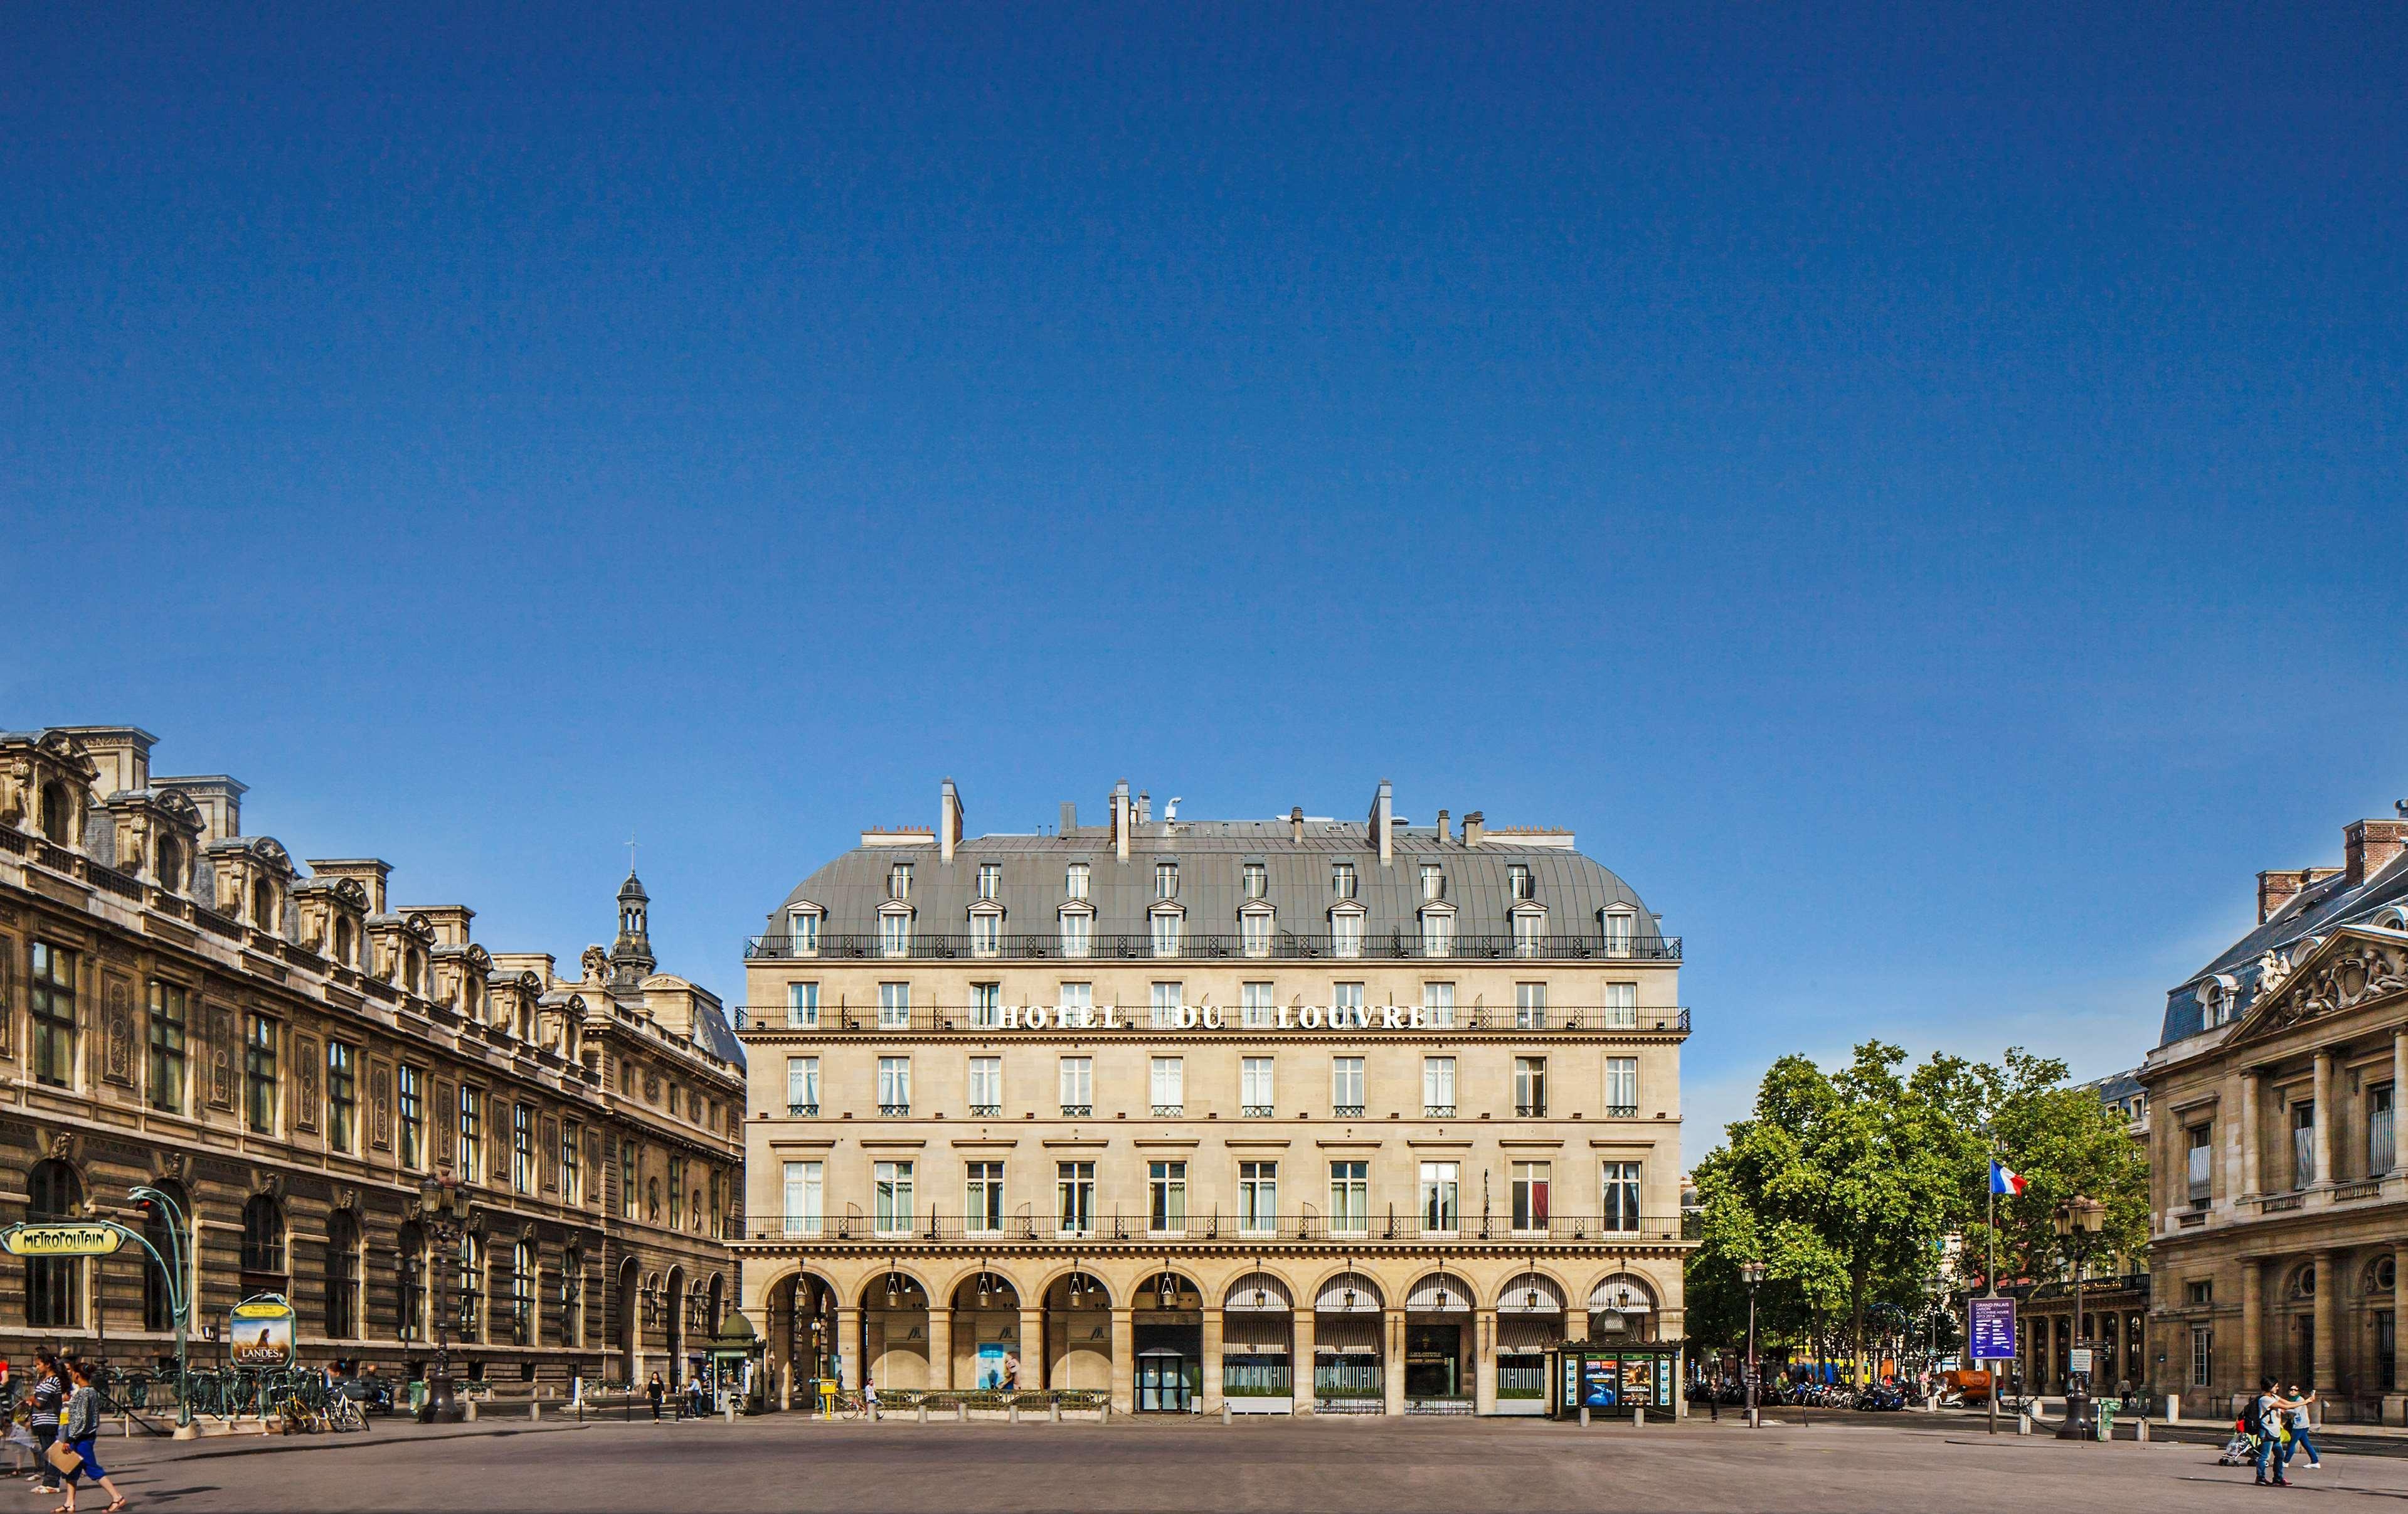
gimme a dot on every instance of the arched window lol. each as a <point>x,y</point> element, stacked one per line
<point>343,940</point>
<point>342,1277</point>
<point>57,823</point>
<point>413,968</point>
<point>53,1285</point>
<point>263,1240</point>
<point>159,1229</point>
<point>171,864</point>
<point>263,905</point>
<point>410,1320</point>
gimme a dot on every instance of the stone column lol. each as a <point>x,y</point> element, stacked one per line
<point>1484,1384</point>
<point>1392,1361</point>
<point>941,1347</point>
<point>2398,1315</point>
<point>1576,1328</point>
<point>851,1346</point>
<point>2325,1363</point>
<point>2400,1136</point>
<point>2253,1322</point>
<point>2324,1147</point>
<point>1299,1365</point>
<point>1032,1347</point>
<point>2250,1187</point>
<point>1212,1375</point>
<point>1123,1361</point>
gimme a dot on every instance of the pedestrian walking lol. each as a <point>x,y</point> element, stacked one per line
<point>50,1395</point>
<point>82,1435</point>
<point>2301,1403</point>
<point>654,1391</point>
<point>2266,1420</point>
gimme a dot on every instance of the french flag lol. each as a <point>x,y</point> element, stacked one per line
<point>2005,1179</point>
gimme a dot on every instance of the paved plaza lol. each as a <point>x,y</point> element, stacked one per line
<point>1153,1467</point>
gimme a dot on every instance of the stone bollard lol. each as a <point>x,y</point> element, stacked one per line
<point>1639,1417</point>
<point>2141,1430</point>
<point>535,1411</point>
<point>1225,1417</point>
<point>2023,1423</point>
<point>1584,1417</point>
<point>730,1410</point>
<point>924,1411</point>
<point>1053,1412</point>
<point>468,1408</point>
<point>962,1412</point>
<point>1014,1417</point>
<point>1104,1415</point>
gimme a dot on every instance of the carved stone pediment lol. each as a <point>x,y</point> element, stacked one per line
<point>2340,971</point>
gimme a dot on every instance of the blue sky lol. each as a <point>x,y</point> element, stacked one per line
<point>1919,490</point>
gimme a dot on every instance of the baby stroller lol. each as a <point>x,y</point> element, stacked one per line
<point>2241,1450</point>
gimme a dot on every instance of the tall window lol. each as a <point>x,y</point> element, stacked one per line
<point>986,935</point>
<point>1166,879</point>
<point>1438,1088</point>
<point>1257,1197</point>
<point>2304,1144</point>
<point>1169,1084</point>
<point>2378,1130</point>
<point>895,934</point>
<point>1256,1009</point>
<point>631,1195</point>
<point>1163,1006</point>
<point>892,1200</point>
<point>1527,940</point>
<point>1622,1088</point>
<point>1078,935</point>
<point>1530,1087</point>
<point>986,1005</point>
<point>1437,999</point>
<point>53,1285</point>
<point>1074,1194</point>
<point>1530,1195</point>
<point>1074,881</point>
<point>572,1162</point>
<point>1433,882</point>
<point>986,1088</point>
<point>259,1072</point>
<point>803,1003</point>
<point>523,1147</point>
<point>1257,880</point>
<point>1621,1196</point>
<point>802,1198</point>
<point>1350,1197</point>
<point>1166,1189</point>
<point>1342,880</point>
<point>51,1002</point>
<point>895,1087</point>
<point>1517,882</point>
<point>1078,1087</point>
<point>990,879</point>
<point>1346,936</point>
<point>1621,1007</point>
<point>1254,1097</point>
<point>342,1094</point>
<point>471,1131</point>
<point>803,1086</point>
<point>1346,998</point>
<point>410,1312</point>
<point>1254,934</point>
<point>1077,998</point>
<point>1440,1212</point>
<point>982,1198</point>
<point>1346,1087</point>
<point>677,1192</point>
<point>167,1022</point>
<point>469,1315</point>
<point>899,881</point>
<point>895,1007</point>
<point>1166,934</point>
<point>1619,927</point>
<point>263,1237</point>
<point>803,932</point>
<point>2198,1172</point>
<point>570,1296</point>
<point>342,1277</point>
<point>2203,1355</point>
<point>1529,1007</point>
<point>1437,933</point>
<point>412,1100</point>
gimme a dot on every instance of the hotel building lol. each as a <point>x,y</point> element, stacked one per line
<point>1301,1114</point>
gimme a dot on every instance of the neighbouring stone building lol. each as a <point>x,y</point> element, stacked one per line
<point>1296,1114</point>
<point>287,1055</point>
<point>2115,1293</point>
<point>2279,1165</point>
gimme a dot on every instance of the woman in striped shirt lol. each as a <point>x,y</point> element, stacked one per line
<point>50,1393</point>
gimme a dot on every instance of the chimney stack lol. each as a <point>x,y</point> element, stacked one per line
<point>1144,809</point>
<point>1472,825</point>
<point>1120,820</point>
<point>2368,847</point>
<point>217,798</point>
<point>370,873</point>
<point>1382,822</point>
<point>122,754</point>
<point>949,820</point>
<point>1295,823</point>
<point>1441,826</point>
<point>1069,817</point>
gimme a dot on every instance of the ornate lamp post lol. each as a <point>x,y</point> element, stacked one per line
<point>1751,1273</point>
<point>2077,1222</point>
<point>443,1209</point>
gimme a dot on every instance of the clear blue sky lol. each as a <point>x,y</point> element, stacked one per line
<point>1922,494</point>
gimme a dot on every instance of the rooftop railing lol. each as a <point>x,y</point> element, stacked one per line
<point>1029,1228</point>
<point>1140,947</point>
<point>872,1020</point>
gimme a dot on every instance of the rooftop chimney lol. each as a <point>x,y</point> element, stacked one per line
<point>370,871</point>
<point>1441,826</point>
<point>1069,817</point>
<point>1384,810</point>
<point>122,754</point>
<point>1120,820</point>
<point>2368,847</point>
<point>1295,823</point>
<point>217,798</point>
<point>949,820</point>
<point>1471,823</point>
<point>1144,809</point>
<point>2278,888</point>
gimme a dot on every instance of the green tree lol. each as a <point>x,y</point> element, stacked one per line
<point>2065,1145</point>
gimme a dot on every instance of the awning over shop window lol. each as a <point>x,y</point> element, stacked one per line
<point>1346,1336</point>
<point>1255,1335</point>
<point>1259,1292</point>
<point>1440,1293</point>
<point>1350,1292</point>
<point>1528,1336</point>
<point>1625,1291</point>
<point>1530,1294</point>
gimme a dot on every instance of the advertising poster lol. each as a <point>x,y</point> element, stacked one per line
<point>258,1332</point>
<point>1599,1387</point>
<point>989,1373</point>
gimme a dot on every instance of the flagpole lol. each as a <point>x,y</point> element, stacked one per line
<point>1990,1274</point>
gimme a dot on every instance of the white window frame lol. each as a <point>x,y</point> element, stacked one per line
<point>1529,1007</point>
<point>1077,1080</point>
<point>986,1005</point>
<point>892,1184</point>
<point>1438,1000</point>
<point>895,934</point>
<point>803,933</point>
<point>1343,882</point>
<point>1622,1088</point>
<point>1438,1083</point>
<point>1346,931</point>
<point>1350,1197</point>
<point>1257,1006</point>
<point>895,1007</point>
<point>986,1083</point>
<point>990,880</point>
<point>1254,933</point>
<point>1169,1082</point>
<point>895,1082</point>
<point>1074,881</point>
<point>1257,1082</point>
<point>983,1199</point>
<point>1441,1195</point>
<point>1529,1211</point>
<point>803,1198</point>
<point>1346,1085</point>
<point>1257,1198</point>
<point>1621,1006</point>
<point>1437,933</point>
<point>1166,879</point>
<point>1078,935</point>
<point>1074,1197</point>
<point>803,1005</point>
<point>1530,1087</point>
<point>1620,1193</point>
<point>1620,930</point>
<point>802,1083</point>
<point>1162,1005</point>
<point>986,933</point>
<point>1166,1197</point>
<point>1165,926</point>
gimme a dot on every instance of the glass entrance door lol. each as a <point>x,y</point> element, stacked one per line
<point>1162,1383</point>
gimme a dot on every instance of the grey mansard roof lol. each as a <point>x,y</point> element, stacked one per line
<point>2318,908</point>
<point>1211,857</point>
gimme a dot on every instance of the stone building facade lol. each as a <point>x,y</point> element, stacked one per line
<point>2279,1165</point>
<point>1299,1115</point>
<point>287,1055</point>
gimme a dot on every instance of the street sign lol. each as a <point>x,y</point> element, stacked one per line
<point>2080,1361</point>
<point>62,1240</point>
<point>1992,1330</point>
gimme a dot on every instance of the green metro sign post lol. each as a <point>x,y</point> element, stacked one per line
<point>106,1237</point>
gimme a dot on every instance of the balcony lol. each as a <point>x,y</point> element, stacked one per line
<point>1078,1111</point>
<point>1434,1111</point>
<point>802,1111</point>
<point>1622,1111</point>
<point>1529,1111</point>
<point>1167,1111</point>
<point>1047,946</point>
<point>940,1018</point>
<point>896,1111</point>
<point>1241,1231</point>
<point>1255,1111</point>
<point>986,1111</point>
<point>1345,1111</point>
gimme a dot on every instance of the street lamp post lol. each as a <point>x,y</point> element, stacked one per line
<point>1753,1271</point>
<point>177,1300</point>
<point>443,1207</point>
<point>2077,1222</point>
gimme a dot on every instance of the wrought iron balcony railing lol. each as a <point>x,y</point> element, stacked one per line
<point>870,1019</point>
<point>1378,945</point>
<point>1027,1227</point>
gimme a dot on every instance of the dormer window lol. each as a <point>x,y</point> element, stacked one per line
<point>1346,927</point>
<point>1517,879</point>
<point>58,823</point>
<point>1433,881</point>
<point>986,928</point>
<point>1342,880</point>
<point>895,929</point>
<point>1257,880</point>
<point>1621,926</point>
<point>171,864</point>
<point>1438,931</point>
<point>990,879</point>
<point>899,881</point>
<point>1166,924</point>
<point>262,903</point>
<point>1074,880</point>
<point>343,940</point>
<point>803,932</point>
<point>1254,929</point>
<point>1528,927</point>
<point>1166,879</point>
